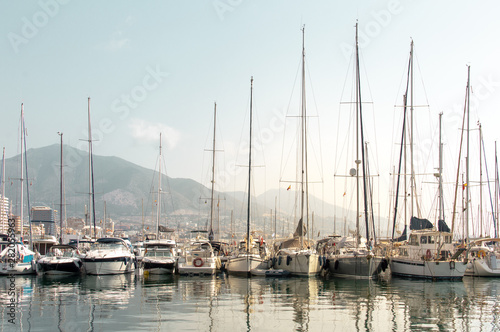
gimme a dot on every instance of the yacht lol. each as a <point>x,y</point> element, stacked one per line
<point>198,259</point>
<point>109,256</point>
<point>483,259</point>
<point>245,261</point>
<point>159,257</point>
<point>61,259</point>
<point>428,253</point>
<point>17,258</point>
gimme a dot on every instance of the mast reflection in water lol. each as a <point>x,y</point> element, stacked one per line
<point>229,303</point>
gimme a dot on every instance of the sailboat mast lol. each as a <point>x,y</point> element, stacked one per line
<point>496,191</point>
<point>412,170</point>
<point>158,200</point>
<point>480,185</point>
<point>440,172</point>
<point>61,194</point>
<point>303,174</point>
<point>467,160</point>
<point>363,159</point>
<point>213,176</point>
<point>91,173</point>
<point>21,214</point>
<point>357,144</point>
<point>249,168</point>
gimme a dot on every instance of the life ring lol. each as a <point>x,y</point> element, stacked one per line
<point>198,262</point>
<point>428,254</point>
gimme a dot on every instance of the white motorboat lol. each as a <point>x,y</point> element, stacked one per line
<point>109,256</point>
<point>16,258</point>
<point>483,259</point>
<point>198,259</point>
<point>159,257</point>
<point>61,259</point>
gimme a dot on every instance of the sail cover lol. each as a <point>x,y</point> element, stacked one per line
<point>417,224</point>
<point>442,227</point>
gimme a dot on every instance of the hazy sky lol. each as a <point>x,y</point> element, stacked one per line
<point>158,66</point>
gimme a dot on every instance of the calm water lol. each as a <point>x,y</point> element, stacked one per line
<point>222,303</point>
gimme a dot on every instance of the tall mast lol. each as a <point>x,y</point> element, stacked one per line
<point>467,159</point>
<point>21,214</point>
<point>412,175</point>
<point>480,185</point>
<point>61,194</point>
<point>357,144</point>
<point>303,179</point>
<point>213,176</point>
<point>158,204</point>
<point>440,172</point>
<point>91,174</point>
<point>249,168</point>
<point>496,190</point>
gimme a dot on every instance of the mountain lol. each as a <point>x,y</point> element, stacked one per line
<point>128,189</point>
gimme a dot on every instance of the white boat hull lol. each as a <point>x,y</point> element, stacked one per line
<point>243,264</point>
<point>480,267</point>
<point>299,264</point>
<point>431,269</point>
<point>17,268</point>
<point>208,267</point>
<point>118,265</point>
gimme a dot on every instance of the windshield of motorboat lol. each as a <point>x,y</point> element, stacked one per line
<point>158,253</point>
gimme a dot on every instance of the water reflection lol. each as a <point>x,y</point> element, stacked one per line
<point>221,303</point>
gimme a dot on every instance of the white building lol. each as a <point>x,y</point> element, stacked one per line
<point>4,214</point>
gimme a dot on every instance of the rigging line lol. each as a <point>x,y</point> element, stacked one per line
<point>319,129</point>
<point>489,187</point>
<point>403,134</point>
<point>421,78</point>
<point>286,115</point>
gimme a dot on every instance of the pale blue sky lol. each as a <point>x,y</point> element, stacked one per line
<point>53,55</point>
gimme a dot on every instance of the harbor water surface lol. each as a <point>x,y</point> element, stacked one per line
<point>225,303</point>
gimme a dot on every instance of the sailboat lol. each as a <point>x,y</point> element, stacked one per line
<point>17,258</point>
<point>428,252</point>
<point>352,257</point>
<point>298,255</point>
<point>250,254</point>
<point>483,256</point>
<point>159,257</point>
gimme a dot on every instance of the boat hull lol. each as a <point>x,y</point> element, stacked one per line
<point>59,266</point>
<point>299,264</point>
<point>17,268</point>
<point>153,266</point>
<point>243,264</point>
<point>115,265</point>
<point>428,269</point>
<point>355,266</point>
<point>479,267</point>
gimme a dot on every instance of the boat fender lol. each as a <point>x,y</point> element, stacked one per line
<point>279,260</point>
<point>336,265</point>
<point>198,262</point>
<point>428,254</point>
<point>452,265</point>
<point>288,260</point>
<point>326,264</point>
